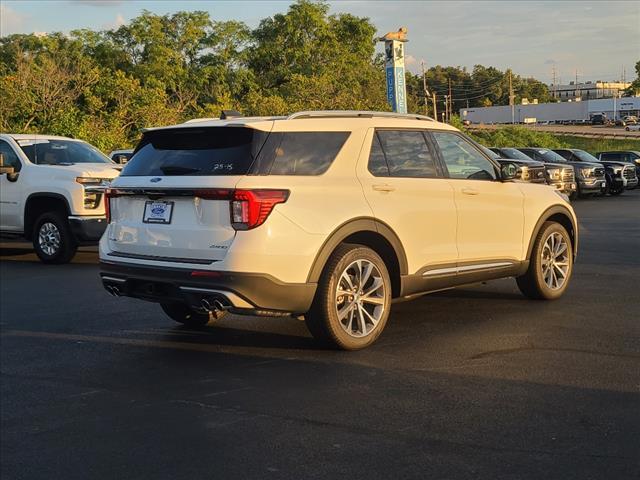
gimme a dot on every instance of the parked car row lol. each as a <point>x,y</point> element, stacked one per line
<point>576,172</point>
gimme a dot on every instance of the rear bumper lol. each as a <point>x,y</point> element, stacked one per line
<point>87,229</point>
<point>248,293</point>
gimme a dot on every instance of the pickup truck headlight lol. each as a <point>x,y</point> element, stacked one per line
<point>104,182</point>
<point>554,173</point>
<point>93,189</point>
<point>587,172</point>
<point>617,170</point>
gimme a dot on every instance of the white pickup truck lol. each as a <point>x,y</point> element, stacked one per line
<point>51,192</point>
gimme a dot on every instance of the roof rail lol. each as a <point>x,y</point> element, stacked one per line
<point>356,114</point>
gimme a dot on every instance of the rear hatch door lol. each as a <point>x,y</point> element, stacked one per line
<point>172,200</point>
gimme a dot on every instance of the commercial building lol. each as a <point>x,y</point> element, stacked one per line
<point>573,112</point>
<point>588,90</point>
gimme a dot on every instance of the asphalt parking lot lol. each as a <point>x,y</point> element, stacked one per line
<point>472,383</point>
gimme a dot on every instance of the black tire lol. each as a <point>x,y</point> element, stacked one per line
<point>322,319</point>
<point>185,315</point>
<point>615,191</point>
<point>57,244</point>
<point>532,283</point>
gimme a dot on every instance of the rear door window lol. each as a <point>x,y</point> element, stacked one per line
<point>196,151</point>
<point>402,153</point>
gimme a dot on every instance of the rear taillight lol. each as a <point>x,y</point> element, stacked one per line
<point>107,205</point>
<point>250,208</point>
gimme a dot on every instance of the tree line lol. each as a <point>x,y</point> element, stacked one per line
<point>105,86</point>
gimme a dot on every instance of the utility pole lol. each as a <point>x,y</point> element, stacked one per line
<point>435,107</point>
<point>424,87</point>
<point>450,104</point>
<point>446,108</point>
<point>553,85</point>
<point>577,90</point>
<point>511,100</point>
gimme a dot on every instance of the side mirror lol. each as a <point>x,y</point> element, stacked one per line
<point>509,171</point>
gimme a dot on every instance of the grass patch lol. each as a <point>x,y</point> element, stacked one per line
<point>594,145</point>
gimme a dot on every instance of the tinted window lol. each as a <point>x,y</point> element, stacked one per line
<point>610,156</point>
<point>543,155</point>
<point>566,154</point>
<point>377,163</point>
<point>196,151</point>
<point>515,154</point>
<point>462,159</point>
<point>300,153</point>
<point>407,154</point>
<point>584,156</point>
<point>61,152</point>
<point>10,159</point>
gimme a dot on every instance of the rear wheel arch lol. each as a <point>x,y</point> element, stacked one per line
<point>371,233</point>
<point>558,214</point>
<point>39,203</point>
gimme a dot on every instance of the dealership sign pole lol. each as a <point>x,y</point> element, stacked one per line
<point>394,68</point>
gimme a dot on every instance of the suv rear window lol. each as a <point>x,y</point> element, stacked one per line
<point>196,151</point>
<point>234,151</point>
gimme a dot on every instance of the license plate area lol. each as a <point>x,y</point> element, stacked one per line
<point>156,211</point>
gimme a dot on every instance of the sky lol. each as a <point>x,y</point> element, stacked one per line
<point>598,39</point>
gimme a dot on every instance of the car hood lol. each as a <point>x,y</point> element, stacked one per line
<point>532,163</point>
<point>586,164</point>
<point>91,170</point>
<point>558,165</point>
<point>614,163</point>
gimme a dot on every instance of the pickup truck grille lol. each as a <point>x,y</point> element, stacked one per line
<point>536,175</point>
<point>567,175</point>
<point>629,173</point>
<point>599,172</point>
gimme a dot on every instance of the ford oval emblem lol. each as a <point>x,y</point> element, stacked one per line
<point>155,180</point>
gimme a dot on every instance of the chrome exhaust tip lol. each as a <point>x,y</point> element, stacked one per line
<point>215,304</point>
<point>113,290</point>
<point>206,305</point>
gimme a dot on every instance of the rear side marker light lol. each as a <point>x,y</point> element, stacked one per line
<point>250,208</point>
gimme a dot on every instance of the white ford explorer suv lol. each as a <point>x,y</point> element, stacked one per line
<point>326,215</point>
<point>51,192</point>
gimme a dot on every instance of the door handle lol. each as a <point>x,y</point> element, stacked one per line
<point>383,188</point>
<point>470,191</point>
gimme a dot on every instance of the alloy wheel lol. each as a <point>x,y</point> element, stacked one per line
<point>49,238</point>
<point>555,261</point>
<point>360,298</point>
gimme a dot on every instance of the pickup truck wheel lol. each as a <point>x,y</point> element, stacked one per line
<point>182,313</point>
<point>353,299</point>
<point>53,240</point>
<point>550,266</point>
<point>614,191</point>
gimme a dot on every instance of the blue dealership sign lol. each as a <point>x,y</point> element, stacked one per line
<point>394,65</point>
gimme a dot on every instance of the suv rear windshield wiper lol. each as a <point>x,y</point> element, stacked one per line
<point>178,170</point>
